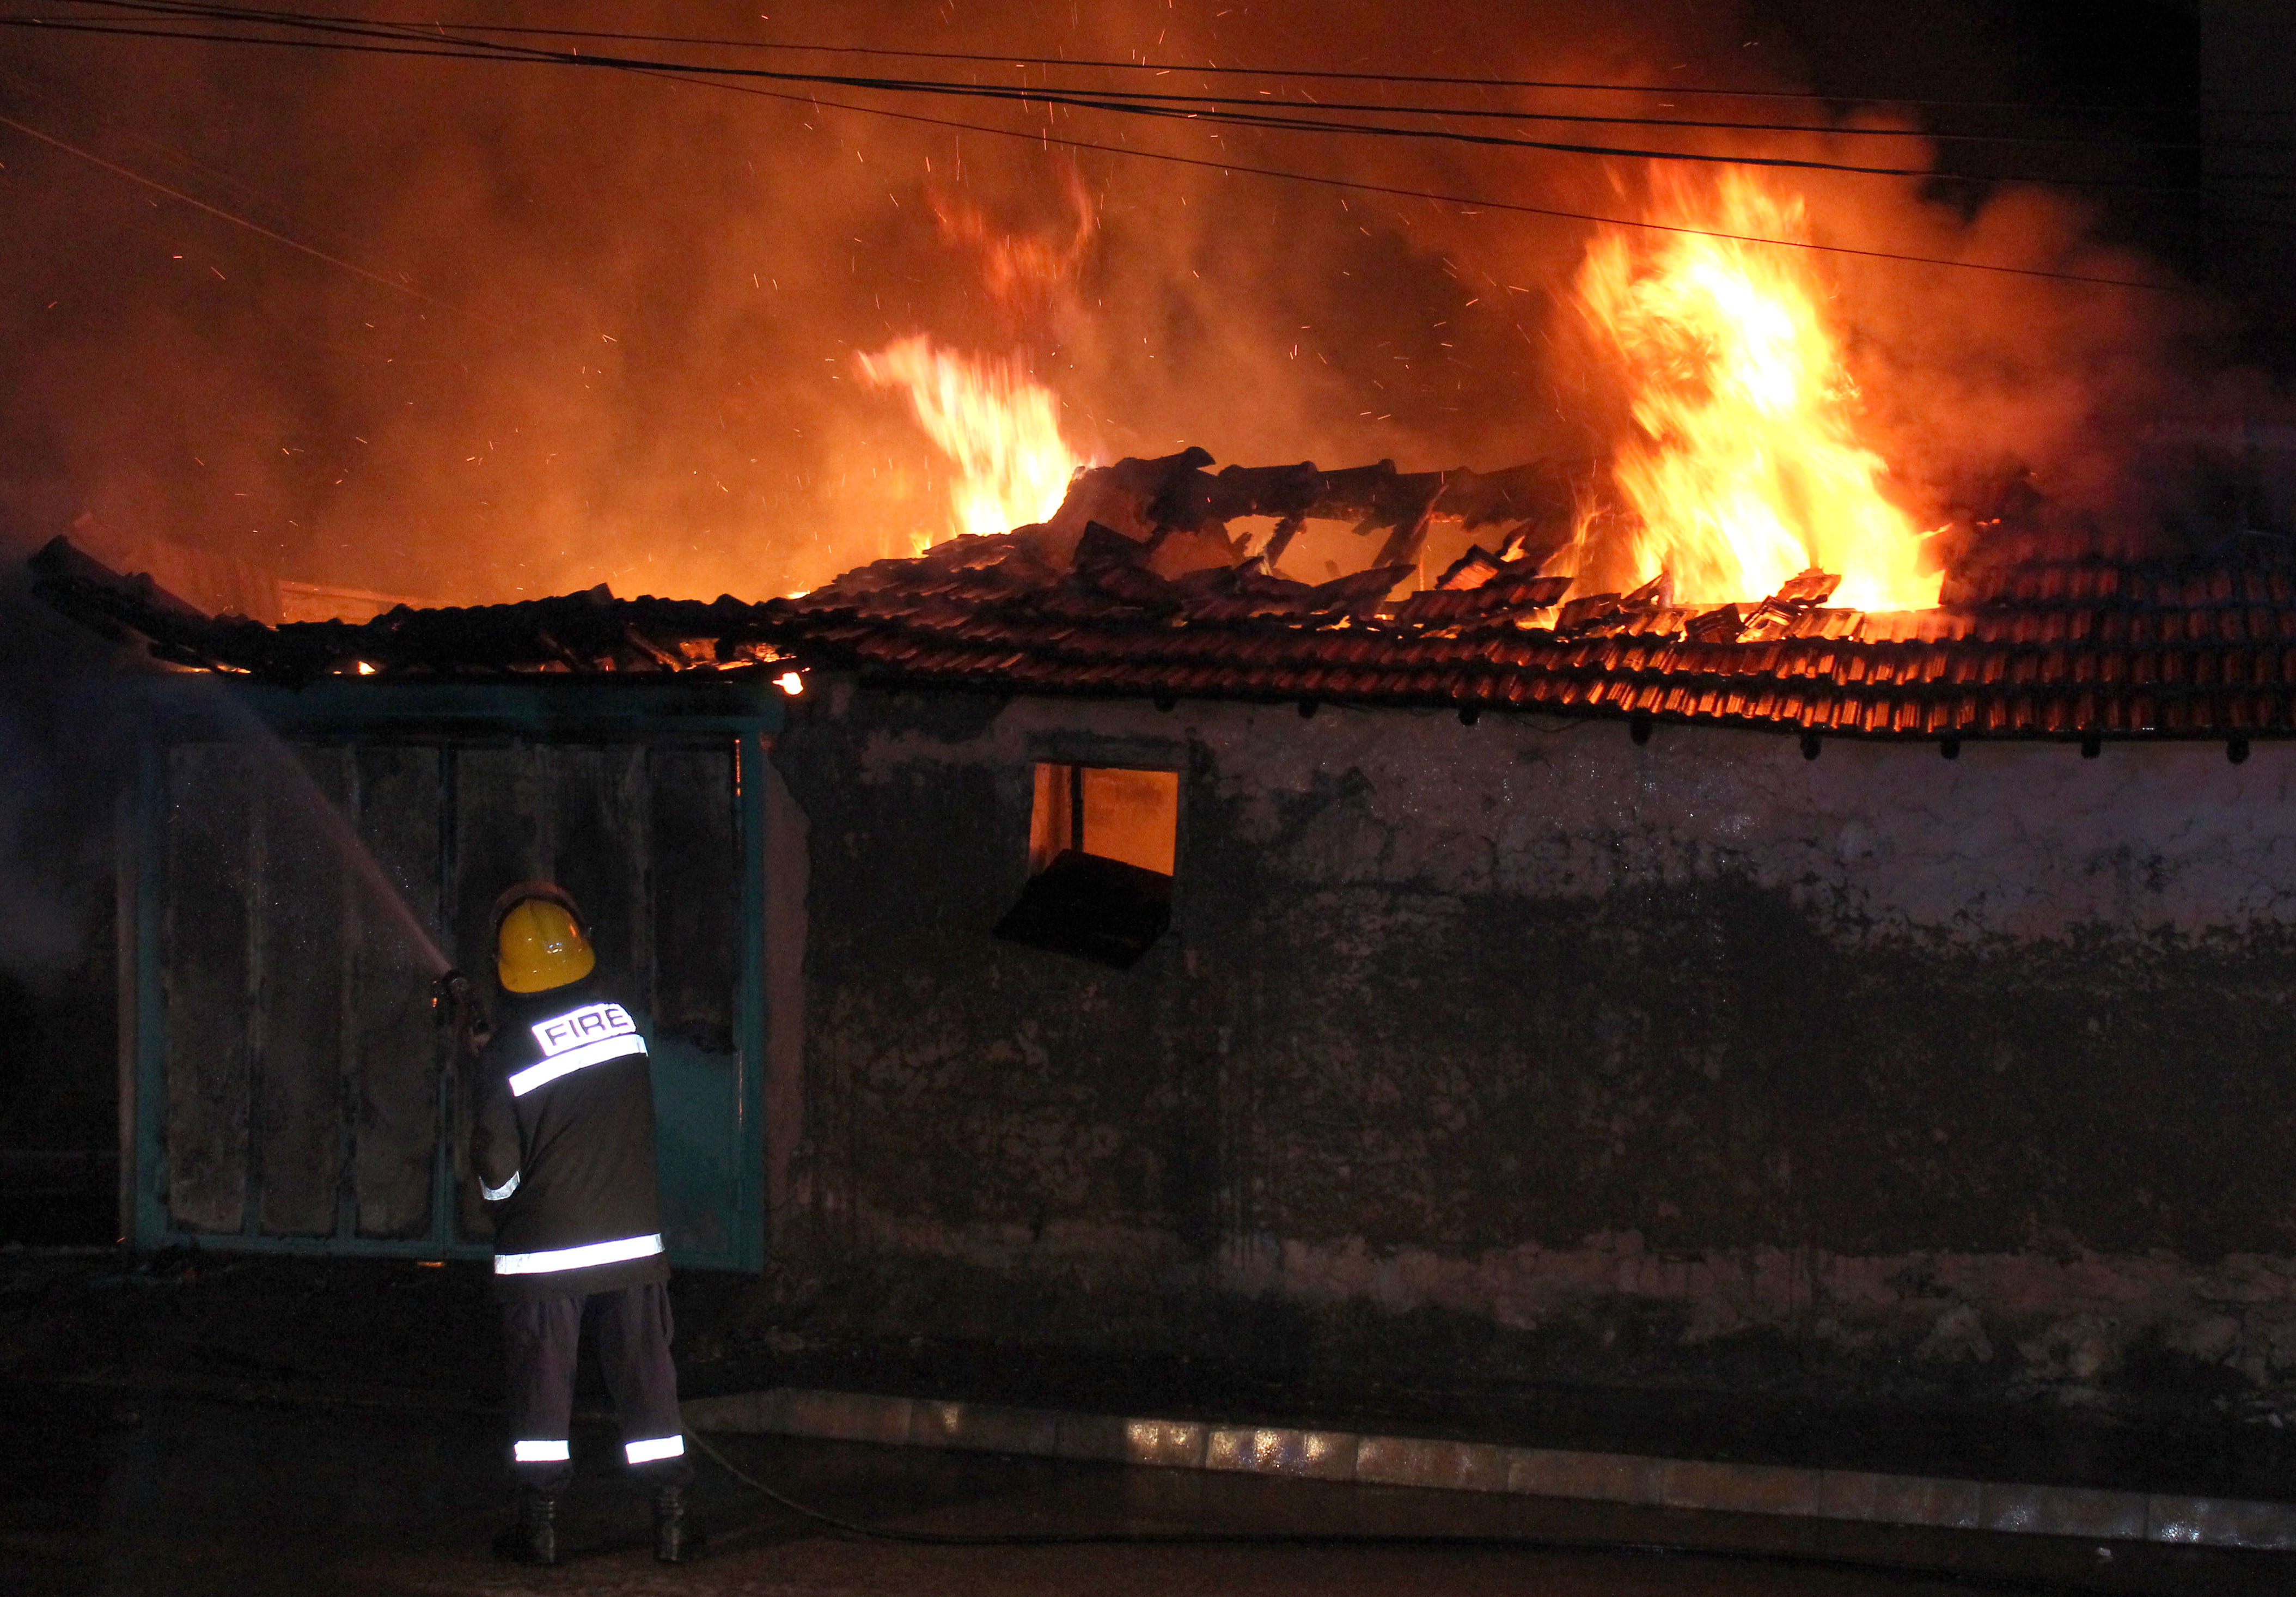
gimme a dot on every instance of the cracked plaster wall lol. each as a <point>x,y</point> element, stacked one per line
<point>1990,1061</point>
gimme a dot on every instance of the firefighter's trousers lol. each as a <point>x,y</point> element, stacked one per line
<point>633,1329</point>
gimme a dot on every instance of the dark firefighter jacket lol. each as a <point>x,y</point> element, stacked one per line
<point>564,1146</point>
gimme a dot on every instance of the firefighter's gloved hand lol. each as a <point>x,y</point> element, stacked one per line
<point>455,1003</point>
<point>450,995</point>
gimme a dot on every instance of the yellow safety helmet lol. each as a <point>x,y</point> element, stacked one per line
<point>539,945</point>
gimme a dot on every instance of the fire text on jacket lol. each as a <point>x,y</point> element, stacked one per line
<point>584,1024</point>
<point>589,1035</point>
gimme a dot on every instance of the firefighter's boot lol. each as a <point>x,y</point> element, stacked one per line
<point>534,1538</point>
<point>675,1541</point>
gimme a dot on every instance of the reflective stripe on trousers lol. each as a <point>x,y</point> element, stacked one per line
<point>577,1258</point>
<point>632,1329</point>
<point>539,1453</point>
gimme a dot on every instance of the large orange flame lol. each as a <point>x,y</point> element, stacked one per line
<point>997,425</point>
<point>1748,467</point>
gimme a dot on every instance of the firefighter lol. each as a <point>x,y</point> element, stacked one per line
<point>563,1149</point>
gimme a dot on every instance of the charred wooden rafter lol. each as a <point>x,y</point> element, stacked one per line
<point>1538,494</point>
<point>2087,650</point>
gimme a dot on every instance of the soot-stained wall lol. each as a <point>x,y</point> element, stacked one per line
<point>1987,1063</point>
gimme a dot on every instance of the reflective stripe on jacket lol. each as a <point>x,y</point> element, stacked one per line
<point>563,1146</point>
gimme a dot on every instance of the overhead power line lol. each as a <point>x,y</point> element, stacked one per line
<point>46,93</point>
<point>1146,65</point>
<point>1465,202</point>
<point>236,220</point>
<point>437,44</point>
<point>194,9</point>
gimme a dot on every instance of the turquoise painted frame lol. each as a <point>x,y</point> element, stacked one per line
<point>750,1000</point>
<point>179,708</point>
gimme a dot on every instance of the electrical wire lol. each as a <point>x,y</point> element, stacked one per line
<point>1165,66</point>
<point>1469,204</point>
<point>48,94</point>
<point>1484,113</point>
<point>1584,1545</point>
<point>154,183</point>
<point>368,29</point>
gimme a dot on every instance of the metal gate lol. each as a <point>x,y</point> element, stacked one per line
<point>292,1091</point>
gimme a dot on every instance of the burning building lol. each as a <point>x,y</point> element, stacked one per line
<point>1135,944</point>
<point>1708,891</point>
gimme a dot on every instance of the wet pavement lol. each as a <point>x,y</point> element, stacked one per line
<point>113,1490</point>
<point>318,1325</point>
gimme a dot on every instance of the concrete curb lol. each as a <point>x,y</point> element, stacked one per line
<point>1485,1467</point>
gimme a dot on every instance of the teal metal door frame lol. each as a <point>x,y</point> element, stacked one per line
<point>182,709</point>
<point>750,1000</point>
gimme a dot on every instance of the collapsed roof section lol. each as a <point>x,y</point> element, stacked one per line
<point>1137,587</point>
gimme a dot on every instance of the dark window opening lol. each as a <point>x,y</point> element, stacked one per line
<point>1102,842</point>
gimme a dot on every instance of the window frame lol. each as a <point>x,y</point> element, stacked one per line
<point>1180,758</point>
<point>1077,771</point>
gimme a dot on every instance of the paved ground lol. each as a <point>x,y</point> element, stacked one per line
<point>327,1321</point>
<point>121,1472</point>
<point>112,1491</point>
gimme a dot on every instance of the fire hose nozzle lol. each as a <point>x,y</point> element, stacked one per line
<point>450,996</point>
<point>456,1007</point>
